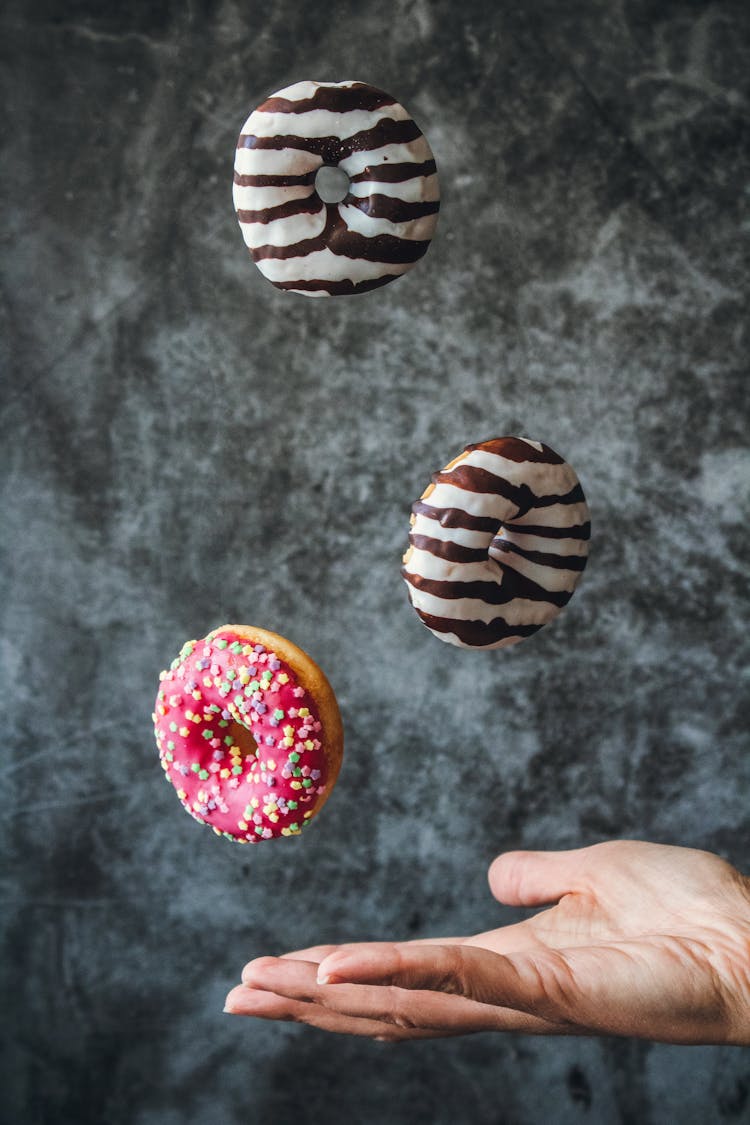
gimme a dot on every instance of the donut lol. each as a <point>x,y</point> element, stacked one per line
<point>249,733</point>
<point>498,542</point>
<point>382,226</point>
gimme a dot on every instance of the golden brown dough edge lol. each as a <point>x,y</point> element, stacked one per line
<point>315,681</point>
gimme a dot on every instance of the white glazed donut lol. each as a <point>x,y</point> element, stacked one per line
<point>498,543</point>
<point>382,226</point>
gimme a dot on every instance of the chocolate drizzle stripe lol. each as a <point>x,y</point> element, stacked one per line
<point>516,449</point>
<point>342,288</point>
<point>472,478</point>
<point>455,517</point>
<point>577,531</point>
<point>508,574</point>
<point>243,179</point>
<point>514,585</point>
<point>307,205</point>
<point>346,243</point>
<point>335,149</point>
<point>336,99</point>
<point>477,634</point>
<point>541,558</point>
<point>575,496</point>
<point>389,207</point>
<point>395,173</point>
<point>448,550</point>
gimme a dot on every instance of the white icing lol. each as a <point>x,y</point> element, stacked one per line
<point>577,547</point>
<point>499,568</point>
<point>556,515</point>
<point>550,577</point>
<point>284,232</point>
<point>415,230</point>
<point>325,264</point>
<point>321,122</point>
<point>413,152</point>
<point>258,198</point>
<point>519,611</point>
<point>476,539</point>
<point>419,189</point>
<point>275,162</point>
<point>427,565</point>
<point>475,503</point>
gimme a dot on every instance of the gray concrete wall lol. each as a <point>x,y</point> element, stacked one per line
<point>184,445</point>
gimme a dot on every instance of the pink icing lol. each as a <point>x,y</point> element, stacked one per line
<point>218,693</point>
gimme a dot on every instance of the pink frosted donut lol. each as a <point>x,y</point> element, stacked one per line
<point>249,733</point>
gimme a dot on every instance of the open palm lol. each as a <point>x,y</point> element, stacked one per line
<point>644,940</point>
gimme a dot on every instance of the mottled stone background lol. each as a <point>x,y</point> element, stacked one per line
<point>184,445</point>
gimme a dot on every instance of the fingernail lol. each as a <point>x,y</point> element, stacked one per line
<point>251,968</point>
<point>330,970</point>
<point>330,975</point>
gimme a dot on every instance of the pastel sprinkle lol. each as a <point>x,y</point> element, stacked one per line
<point>237,685</point>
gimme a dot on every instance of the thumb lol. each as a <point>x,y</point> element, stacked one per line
<point>536,878</point>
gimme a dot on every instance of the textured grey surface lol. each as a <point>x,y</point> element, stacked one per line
<point>184,445</point>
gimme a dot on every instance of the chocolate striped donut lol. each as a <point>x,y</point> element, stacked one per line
<point>498,543</point>
<point>382,226</point>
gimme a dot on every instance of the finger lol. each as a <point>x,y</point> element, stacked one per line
<point>536,878</point>
<point>642,988</point>
<point>523,982</point>
<point>425,1009</point>
<point>530,934</point>
<point>314,953</point>
<point>244,1001</point>
<point>318,952</point>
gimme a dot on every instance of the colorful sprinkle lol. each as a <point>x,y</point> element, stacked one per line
<point>203,754</point>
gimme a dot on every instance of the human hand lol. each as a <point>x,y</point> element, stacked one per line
<point>645,940</point>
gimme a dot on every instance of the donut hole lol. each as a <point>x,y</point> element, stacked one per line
<point>244,740</point>
<point>332,184</point>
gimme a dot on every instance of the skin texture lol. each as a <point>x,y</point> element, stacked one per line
<point>644,940</point>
